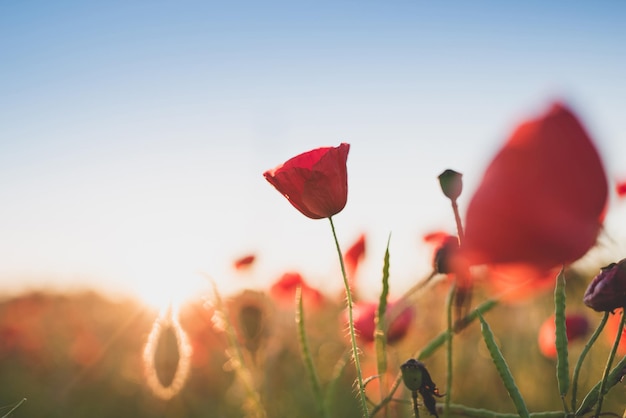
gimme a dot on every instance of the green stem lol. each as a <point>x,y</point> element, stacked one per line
<point>609,362</point>
<point>583,354</point>
<point>416,411</point>
<point>430,349</point>
<point>449,348</point>
<point>614,377</point>
<point>464,411</point>
<point>14,408</point>
<point>306,355</point>
<point>355,348</point>
<point>562,362</point>
<point>457,219</point>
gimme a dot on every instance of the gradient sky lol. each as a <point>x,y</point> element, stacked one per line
<point>134,135</point>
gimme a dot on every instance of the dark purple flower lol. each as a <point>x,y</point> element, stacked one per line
<point>607,291</point>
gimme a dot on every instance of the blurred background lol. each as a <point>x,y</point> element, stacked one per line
<point>134,135</point>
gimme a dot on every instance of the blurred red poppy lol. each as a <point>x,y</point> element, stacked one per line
<point>283,291</point>
<point>353,257</point>
<point>315,182</point>
<point>611,331</point>
<point>364,315</point>
<point>620,189</point>
<point>244,262</point>
<point>445,253</point>
<point>542,199</point>
<point>577,327</point>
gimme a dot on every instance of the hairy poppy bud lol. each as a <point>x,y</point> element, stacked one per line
<point>451,184</point>
<point>607,291</point>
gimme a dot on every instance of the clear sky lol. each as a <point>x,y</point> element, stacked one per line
<point>134,135</point>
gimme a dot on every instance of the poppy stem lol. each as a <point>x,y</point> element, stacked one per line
<point>449,303</point>
<point>14,408</point>
<point>582,356</point>
<point>416,410</point>
<point>459,223</point>
<point>349,303</point>
<point>609,362</point>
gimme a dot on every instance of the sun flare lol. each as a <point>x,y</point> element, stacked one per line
<point>164,290</point>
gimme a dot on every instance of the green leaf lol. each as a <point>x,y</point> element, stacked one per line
<point>503,369</point>
<point>562,363</point>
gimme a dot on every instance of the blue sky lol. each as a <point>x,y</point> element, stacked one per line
<point>134,135</point>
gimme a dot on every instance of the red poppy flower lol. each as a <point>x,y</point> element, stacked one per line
<point>364,314</point>
<point>542,199</point>
<point>244,262</point>
<point>446,251</point>
<point>577,327</point>
<point>436,238</point>
<point>353,257</point>
<point>620,189</point>
<point>611,332</point>
<point>284,291</point>
<point>315,182</point>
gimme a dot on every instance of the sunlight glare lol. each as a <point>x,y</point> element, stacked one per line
<point>165,288</point>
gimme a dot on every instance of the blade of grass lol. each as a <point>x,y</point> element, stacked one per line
<point>380,335</point>
<point>562,363</point>
<point>503,369</point>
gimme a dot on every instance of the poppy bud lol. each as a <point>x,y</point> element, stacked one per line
<point>451,184</point>
<point>412,374</point>
<point>607,291</point>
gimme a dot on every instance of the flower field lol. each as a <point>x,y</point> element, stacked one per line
<point>522,315</point>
